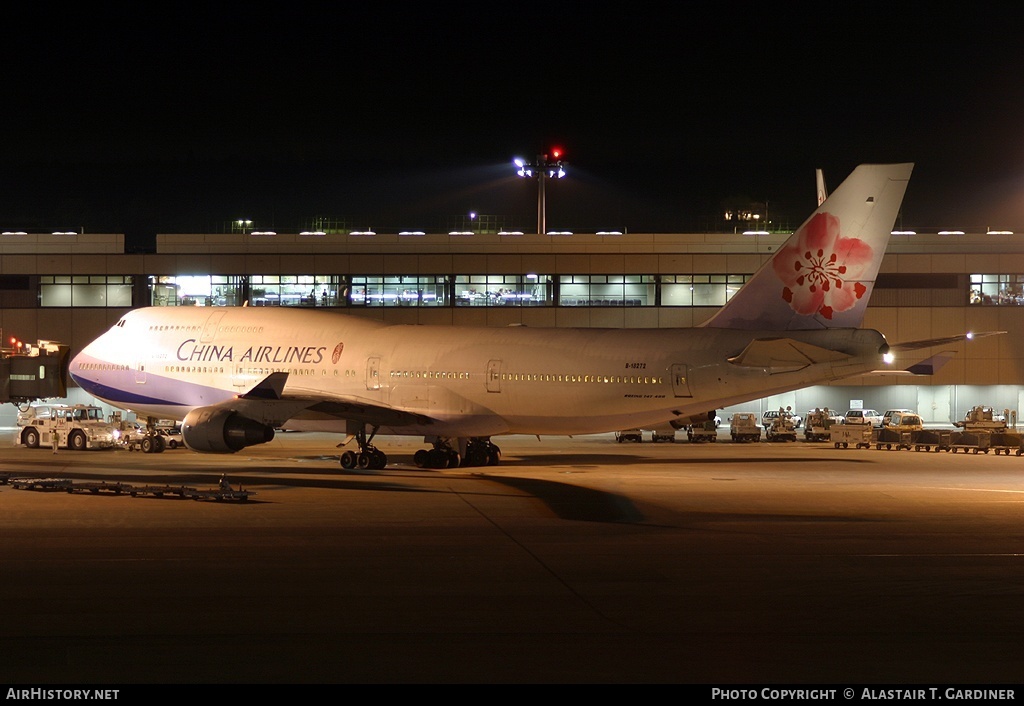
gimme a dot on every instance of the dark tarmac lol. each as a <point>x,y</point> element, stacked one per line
<point>575,561</point>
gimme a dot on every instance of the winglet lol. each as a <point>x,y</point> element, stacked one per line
<point>822,276</point>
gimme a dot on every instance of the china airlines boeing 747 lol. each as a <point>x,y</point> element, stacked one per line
<point>234,375</point>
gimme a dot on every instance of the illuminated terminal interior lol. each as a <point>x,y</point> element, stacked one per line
<point>72,286</point>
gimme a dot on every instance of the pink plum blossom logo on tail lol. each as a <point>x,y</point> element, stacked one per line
<point>821,270</point>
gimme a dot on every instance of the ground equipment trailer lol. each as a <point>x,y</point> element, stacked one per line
<point>970,441</point>
<point>932,440</point>
<point>900,431</point>
<point>1006,441</point>
<point>223,491</point>
<point>842,435</point>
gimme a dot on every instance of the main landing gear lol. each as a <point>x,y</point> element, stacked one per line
<point>478,452</point>
<point>368,457</point>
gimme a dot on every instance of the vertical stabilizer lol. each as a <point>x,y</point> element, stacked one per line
<point>822,276</point>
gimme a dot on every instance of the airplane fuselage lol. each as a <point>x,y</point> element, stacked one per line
<point>455,381</point>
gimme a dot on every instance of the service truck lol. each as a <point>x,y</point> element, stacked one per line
<point>77,427</point>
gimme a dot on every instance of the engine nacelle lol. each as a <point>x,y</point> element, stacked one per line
<point>683,422</point>
<point>215,430</point>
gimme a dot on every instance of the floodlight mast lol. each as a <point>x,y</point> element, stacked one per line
<point>545,167</point>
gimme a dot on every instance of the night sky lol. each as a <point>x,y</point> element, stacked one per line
<point>141,120</point>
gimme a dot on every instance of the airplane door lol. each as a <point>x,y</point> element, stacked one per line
<point>210,329</point>
<point>373,373</point>
<point>494,376</point>
<point>681,380</point>
<point>140,372</point>
<point>238,378</point>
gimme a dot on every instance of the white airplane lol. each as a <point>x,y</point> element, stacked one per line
<point>234,375</point>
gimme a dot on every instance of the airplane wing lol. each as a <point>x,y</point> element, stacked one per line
<point>784,354</point>
<point>267,402</point>
<point>374,414</point>
<point>929,342</point>
<point>930,365</point>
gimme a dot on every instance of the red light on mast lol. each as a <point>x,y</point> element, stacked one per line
<point>556,153</point>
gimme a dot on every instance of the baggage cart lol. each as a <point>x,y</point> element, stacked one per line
<point>1006,441</point>
<point>891,439</point>
<point>843,435</point>
<point>970,441</point>
<point>931,440</point>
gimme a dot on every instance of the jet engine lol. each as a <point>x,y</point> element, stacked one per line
<point>216,430</point>
<point>690,420</point>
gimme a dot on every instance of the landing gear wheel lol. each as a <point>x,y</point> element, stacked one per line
<point>349,459</point>
<point>476,455</point>
<point>437,458</point>
<point>421,458</point>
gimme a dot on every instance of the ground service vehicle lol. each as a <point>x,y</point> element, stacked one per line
<point>818,424</point>
<point>982,418</point>
<point>663,435</point>
<point>864,416</point>
<point>30,412</point>
<point>743,427</point>
<point>77,427</point>
<point>772,414</point>
<point>890,413</point>
<point>781,428</point>
<point>900,433</point>
<point>700,433</point>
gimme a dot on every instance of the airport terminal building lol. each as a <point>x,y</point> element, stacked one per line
<point>71,287</point>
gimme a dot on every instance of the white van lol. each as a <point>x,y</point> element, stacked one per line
<point>864,416</point>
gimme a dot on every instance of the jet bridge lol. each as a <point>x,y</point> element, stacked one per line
<point>33,371</point>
